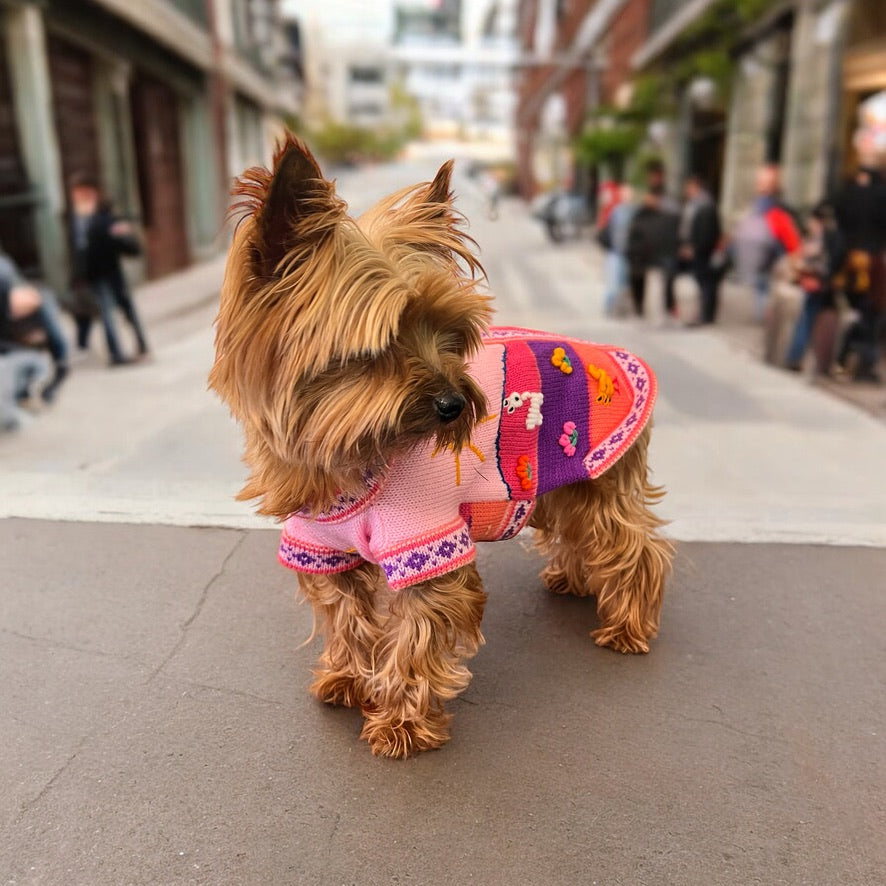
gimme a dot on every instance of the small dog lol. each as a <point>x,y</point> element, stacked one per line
<point>391,428</point>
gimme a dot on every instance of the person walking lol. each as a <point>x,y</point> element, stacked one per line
<point>99,238</point>
<point>860,208</point>
<point>820,259</point>
<point>613,237</point>
<point>700,234</point>
<point>652,249</point>
<point>765,233</point>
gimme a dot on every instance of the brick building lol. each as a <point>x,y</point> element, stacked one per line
<point>160,101</point>
<point>575,56</point>
<point>794,75</point>
<point>800,70</point>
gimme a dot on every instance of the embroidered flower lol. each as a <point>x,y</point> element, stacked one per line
<point>569,438</point>
<point>605,385</point>
<point>561,360</point>
<point>524,472</point>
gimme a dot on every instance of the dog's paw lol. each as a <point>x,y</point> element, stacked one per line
<point>620,641</point>
<point>557,581</point>
<point>336,688</point>
<point>403,738</point>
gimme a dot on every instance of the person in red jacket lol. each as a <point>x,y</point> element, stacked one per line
<point>764,234</point>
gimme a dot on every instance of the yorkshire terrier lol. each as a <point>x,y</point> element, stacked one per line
<point>391,428</point>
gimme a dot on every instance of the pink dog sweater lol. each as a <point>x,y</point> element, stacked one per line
<point>560,411</point>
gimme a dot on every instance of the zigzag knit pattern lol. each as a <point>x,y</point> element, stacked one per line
<point>560,411</point>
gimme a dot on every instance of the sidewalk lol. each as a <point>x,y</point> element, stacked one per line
<point>735,322</point>
<point>177,294</point>
<point>182,292</point>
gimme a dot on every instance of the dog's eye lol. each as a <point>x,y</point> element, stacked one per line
<point>452,342</point>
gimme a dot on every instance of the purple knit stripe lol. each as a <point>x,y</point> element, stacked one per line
<point>566,399</point>
<point>520,514</point>
<point>348,504</point>
<point>425,561</point>
<point>317,560</point>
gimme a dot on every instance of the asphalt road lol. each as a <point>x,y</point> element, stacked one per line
<point>157,728</point>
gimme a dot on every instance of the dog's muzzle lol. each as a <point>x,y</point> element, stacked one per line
<point>449,406</point>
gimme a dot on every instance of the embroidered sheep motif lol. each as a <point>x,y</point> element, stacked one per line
<point>532,399</point>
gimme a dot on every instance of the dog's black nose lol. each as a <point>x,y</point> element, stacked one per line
<point>449,407</point>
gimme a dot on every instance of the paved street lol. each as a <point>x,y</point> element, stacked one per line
<point>158,729</point>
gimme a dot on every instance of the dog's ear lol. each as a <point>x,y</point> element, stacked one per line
<point>294,187</point>
<point>431,224</point>
<point>287,203</point>
<point>439,190</point>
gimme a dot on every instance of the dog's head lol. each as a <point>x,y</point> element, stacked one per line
<point>341,343</point>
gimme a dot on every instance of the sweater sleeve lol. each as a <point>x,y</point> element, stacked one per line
<point>310,547</point>
<point>425,556</point>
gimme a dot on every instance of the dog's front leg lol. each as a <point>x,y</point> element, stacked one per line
<point>432,629</point>
<point>346,615</point>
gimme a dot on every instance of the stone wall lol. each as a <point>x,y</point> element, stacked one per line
<point>752,91</point>
<point>811,130</point>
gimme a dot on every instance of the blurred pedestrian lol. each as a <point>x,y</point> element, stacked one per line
<point>609,195</point>
<point>820,259</point>
<point>491,188</point>
<point>652,249</point>
<point>700,235</point>
<point>765,232</point>
<point>860,209</point>
<point>99,239</point>
<point>613,237</point>
<point>21,372</point>
<point>29,319</point>
<point>657,182</point>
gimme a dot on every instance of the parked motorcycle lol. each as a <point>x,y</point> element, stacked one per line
<point>565,215</point>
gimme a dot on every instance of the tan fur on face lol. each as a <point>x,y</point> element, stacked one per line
<point>334,335</point>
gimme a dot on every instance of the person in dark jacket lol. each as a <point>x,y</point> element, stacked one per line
<point>99,239</point>
<point>651,245</point>
<point>699,235</point>
<point>860,208</point>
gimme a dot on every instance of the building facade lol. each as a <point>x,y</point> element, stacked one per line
<point>459,61</point>
<point>160,101</point>
<point>574,57</point>
<point>792,76</point>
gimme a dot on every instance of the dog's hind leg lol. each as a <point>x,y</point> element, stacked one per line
<point>601,538</point>
<point>432,628</point>
<point>346,615</point>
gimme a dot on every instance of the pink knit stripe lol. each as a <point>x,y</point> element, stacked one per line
<point>517,443</point>
<point>303,556</point>
<point>428,556</point>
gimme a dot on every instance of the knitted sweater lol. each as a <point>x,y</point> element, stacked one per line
<point>560,411</point>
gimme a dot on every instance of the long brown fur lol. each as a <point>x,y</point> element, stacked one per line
<point>333,339</point>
